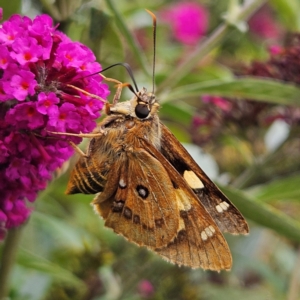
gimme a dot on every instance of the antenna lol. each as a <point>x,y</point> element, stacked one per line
<point>129,71</point>
<point>125,65</point>
<point>154,47</point>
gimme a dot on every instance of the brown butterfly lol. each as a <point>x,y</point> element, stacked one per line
<point>151,191</point>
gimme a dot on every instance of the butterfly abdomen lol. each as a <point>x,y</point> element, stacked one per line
<point>86,178</point>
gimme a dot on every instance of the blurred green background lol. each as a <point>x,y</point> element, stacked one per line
<point>66,253</point>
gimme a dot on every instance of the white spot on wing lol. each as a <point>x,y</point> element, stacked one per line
<point>142,192</point>
<point>204,236</point>
<point>212,229</point>
<point>122,183</point>
<point>181,225</point>
<point>193,181</point>
<point>182,200</point>
<point>207,232</point>
<point>222,207</point>
<point>219,209</point>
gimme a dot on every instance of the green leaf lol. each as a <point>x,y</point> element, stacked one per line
<point>35,262</point>
<point>288,12</point>
<point>182,112</point>
<point>267,90</point>
<point>131,41</point>
<point>214,291</point>
<point>10,8</point>
<point>281,189</point>
<point>179,131</point>
<point>64,234</point>
<point>264,214</point>
<point>104,38</point>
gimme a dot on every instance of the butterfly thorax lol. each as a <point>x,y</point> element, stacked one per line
<point>135,119</point>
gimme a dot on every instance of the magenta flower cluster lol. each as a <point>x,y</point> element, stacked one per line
<point>44,86</point>
<point>188,20</point>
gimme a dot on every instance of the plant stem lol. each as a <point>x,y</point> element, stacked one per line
<point>8,258</point>
<point>207,45</point>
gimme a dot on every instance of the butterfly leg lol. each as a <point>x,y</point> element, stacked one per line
<point>119,88</point>
<point>77,149</point>
<point>81,135</point>
<point>86,93</point>
<point>99,131</point>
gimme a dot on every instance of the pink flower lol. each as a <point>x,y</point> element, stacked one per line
<point>4,57</point>
<point>264,24</point>
<point>15,27</point>
<point>41,70</point>
<point>275,49</point>
<point>220,102</point>
<point>189,21</point>
<point>46,104</point>
<point>67,118</point>
<point>21,85</point>
<point>25,115</point>
<point>145,288</point>
<point>198,121</point>
<point>26,50</point>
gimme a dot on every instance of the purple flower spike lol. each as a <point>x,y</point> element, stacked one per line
<point>42,70</point>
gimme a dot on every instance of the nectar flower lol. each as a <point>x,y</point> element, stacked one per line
<point>44,86</point>
<point>189,21</point>
<point>219,102</point>
<point>264,25</point>
<point>145,288</point>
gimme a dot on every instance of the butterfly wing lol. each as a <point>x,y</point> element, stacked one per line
<point>224,213</point>
<point>199,242</point>
<point>145,197</point>
<point>142,208</point>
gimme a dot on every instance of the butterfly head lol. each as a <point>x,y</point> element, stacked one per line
<point>142,106</point>
<point>145,104</point>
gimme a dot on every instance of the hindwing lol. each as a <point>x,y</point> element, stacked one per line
<point>142,206</point>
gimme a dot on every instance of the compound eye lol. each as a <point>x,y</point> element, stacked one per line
<point>142,111</point>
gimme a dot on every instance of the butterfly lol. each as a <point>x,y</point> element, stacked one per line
<point>151,191</point>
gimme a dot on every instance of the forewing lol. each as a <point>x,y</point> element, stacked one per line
<point>143,208</point>
<point>199,242</point>
<point>224,213</point>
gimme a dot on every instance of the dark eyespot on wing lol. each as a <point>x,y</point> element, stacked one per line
<point>136,219</point>
<point>143,192</point>
<point>127,213</point>
<point>117,206</point>
<point>159,222</point>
